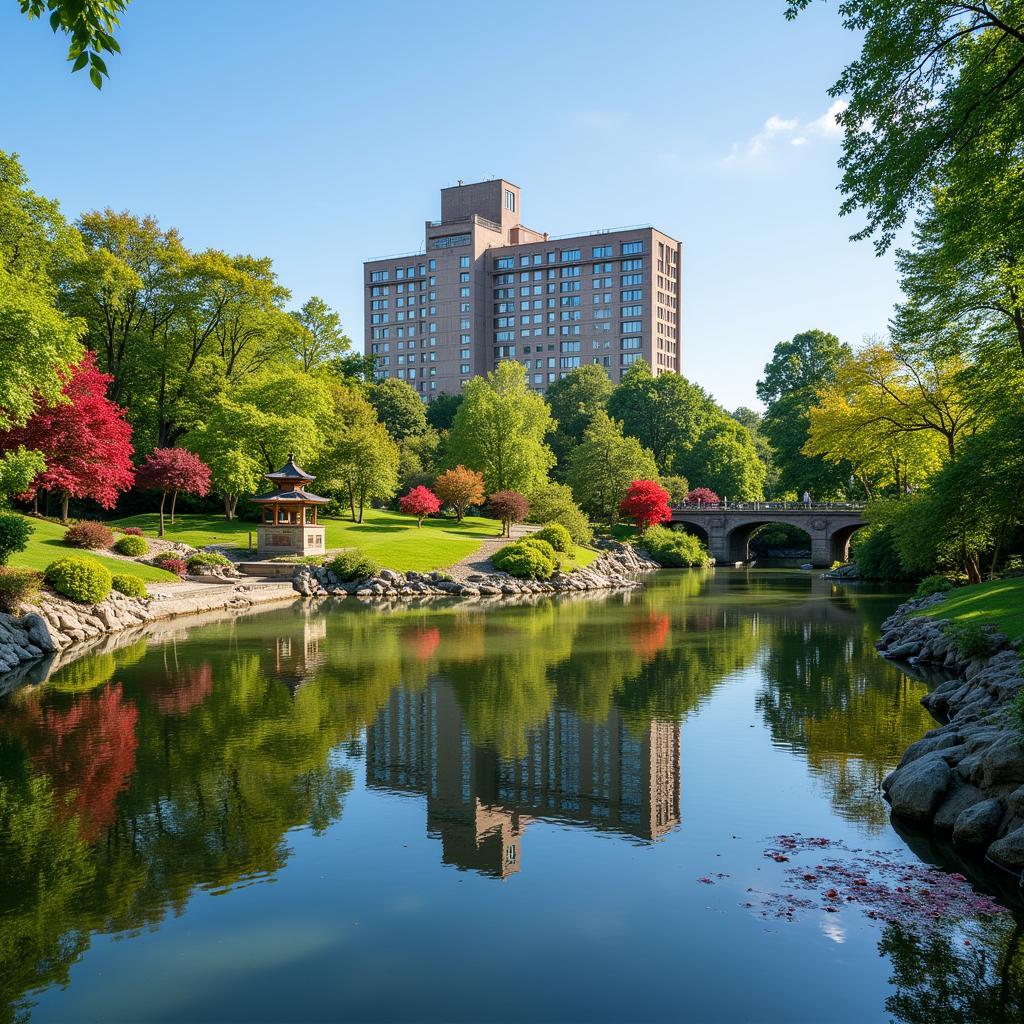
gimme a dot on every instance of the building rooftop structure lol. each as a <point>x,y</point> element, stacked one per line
<point>487,288</point>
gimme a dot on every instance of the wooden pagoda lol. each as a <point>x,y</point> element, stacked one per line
<point>289,525</point>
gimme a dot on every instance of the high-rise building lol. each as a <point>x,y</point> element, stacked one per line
<point>488,288</point>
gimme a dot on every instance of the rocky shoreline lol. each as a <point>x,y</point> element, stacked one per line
<point>617,568</point>
<point>964,779</point>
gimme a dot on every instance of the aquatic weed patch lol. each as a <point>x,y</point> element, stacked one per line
<point>878,883</point>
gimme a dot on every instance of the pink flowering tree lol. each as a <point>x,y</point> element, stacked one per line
<point>702,496</point>
<point>170,471</point>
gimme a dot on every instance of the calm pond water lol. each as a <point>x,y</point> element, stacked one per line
<point>553,811</point>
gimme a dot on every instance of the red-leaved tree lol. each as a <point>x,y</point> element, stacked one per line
<point>508,506</point>
<point>460,488</point>
<point>419,502</point>
<point>702,496</point>
<point>170,471</point>
<point>86,441</point>
<point>646,503</point>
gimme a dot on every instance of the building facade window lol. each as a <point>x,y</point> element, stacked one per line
<point>629,248</point>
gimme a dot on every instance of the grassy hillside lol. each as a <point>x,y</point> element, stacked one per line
<point>1000,602</point>
<point>392,539</point>
<point>45,545</point>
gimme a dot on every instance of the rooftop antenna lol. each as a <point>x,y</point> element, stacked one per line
<point>460,181</point>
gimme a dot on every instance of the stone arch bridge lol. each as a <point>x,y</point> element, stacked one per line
<point>727,528</point>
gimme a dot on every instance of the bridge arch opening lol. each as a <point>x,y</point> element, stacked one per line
<point>738,539</point>
<point>839,542</point>
<point>775,539</point>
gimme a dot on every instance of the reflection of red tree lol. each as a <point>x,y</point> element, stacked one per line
<point>422,642</point>
<point>88,750</point>
<point>648,636</point>
<point>179,692</point>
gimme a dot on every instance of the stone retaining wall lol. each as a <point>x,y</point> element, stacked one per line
<point>616,568</point>
<point>58,625</point>
<point>965,778</point>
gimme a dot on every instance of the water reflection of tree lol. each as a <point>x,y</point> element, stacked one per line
<point>961,974</point>
<point>829,695</point>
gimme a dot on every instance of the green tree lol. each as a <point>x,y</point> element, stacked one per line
<point>603,466</point>
<point>399,408</point>
<point>499,429</point>
<point>170,325</point>
<point>665,413</point>
<point>754,422</point>
<point>725,459</point>
<point>38,342</point>
<point>360,460</point>
<point>320,338</point>
<point>441,410</point>
<point>573,400</point>
<point>934,79</point>
<point>789,386</point>
<point>89,24</point>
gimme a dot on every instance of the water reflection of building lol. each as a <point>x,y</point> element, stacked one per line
<point>599,775</point>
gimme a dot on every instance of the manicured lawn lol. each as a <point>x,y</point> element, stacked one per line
<point>1000,602</point>
<point>583,557</point>
<point>45,545</point>
<point>390,538</point>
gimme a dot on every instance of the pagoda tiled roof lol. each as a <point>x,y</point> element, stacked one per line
<point>292,495</point>
<point>290,471</point>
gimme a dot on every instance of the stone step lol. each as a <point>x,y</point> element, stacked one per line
<point>282,570</point>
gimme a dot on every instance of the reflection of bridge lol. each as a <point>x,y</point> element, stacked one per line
<point>601,775</point>
<point>726,529</point>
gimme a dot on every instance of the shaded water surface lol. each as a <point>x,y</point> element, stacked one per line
<point>554,811</point>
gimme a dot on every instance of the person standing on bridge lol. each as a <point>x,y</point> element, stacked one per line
<point>807,499</point>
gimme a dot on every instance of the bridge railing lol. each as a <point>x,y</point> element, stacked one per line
<point>770,506</point>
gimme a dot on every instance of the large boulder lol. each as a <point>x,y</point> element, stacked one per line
<point>978,824</point>
<point>960,797</point>
<point>917,790</point>
<point>1009,851</point>
<point>1003,762</point>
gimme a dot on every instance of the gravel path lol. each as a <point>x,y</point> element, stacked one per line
<point>480,560</point>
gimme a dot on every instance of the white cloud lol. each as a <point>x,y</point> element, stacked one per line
<point>792,130</point>
<point>828,125</point>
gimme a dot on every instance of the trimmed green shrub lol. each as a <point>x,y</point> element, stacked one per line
<point>15,531</point>
<point>131,545</point>
<point>933,585</point>
<point>201,558</point>
<point>353,565</point>
<point>674,549</point>
<point>81,579</point>
<point>558,537</point>
<point>18,586</point>
<point>89,534</point>
<point>554,504</point>
<point>526,559</point>
<point>131,586</point>
<point>540,544</point>
<point>974,639</point>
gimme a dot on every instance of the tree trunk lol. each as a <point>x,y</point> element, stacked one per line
<point>352,501</point>
<point>229,510</point>
<point>64,506</point>
<point>163,498</point>
<point>419,522</point>
<point>174,501</point>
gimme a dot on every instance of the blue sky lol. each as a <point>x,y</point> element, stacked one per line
<point>321,134</point>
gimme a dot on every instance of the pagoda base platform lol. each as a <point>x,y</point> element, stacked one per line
<point>289,540</point>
